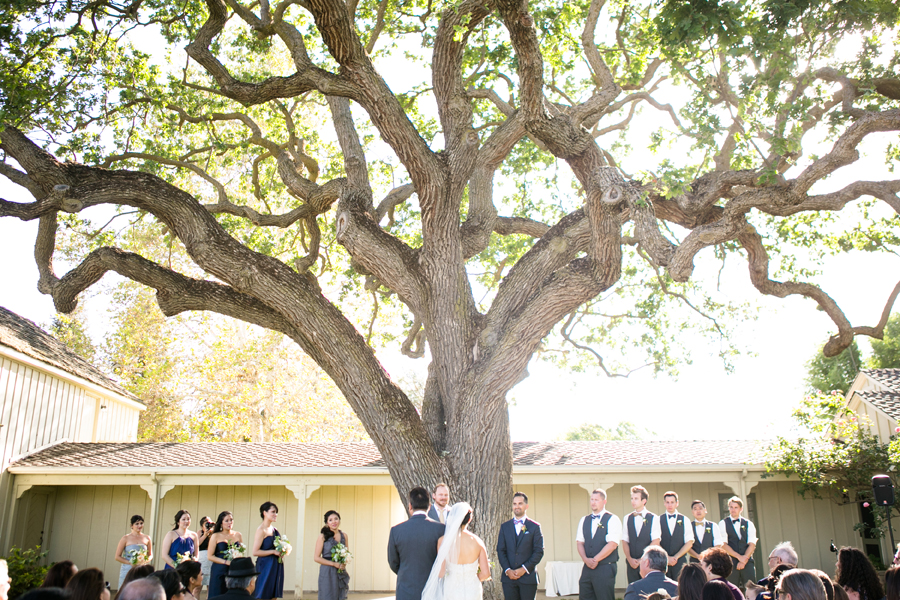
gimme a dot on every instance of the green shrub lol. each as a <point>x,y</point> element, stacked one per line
<point>24,570</point>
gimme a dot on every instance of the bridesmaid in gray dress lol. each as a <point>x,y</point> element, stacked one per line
<point>131,543</point>
<point>334,582</point>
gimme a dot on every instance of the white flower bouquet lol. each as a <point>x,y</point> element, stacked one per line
<point>341,554</point>
<point>180,558</point>
<point>283,545</point>
<point>235,550</point>
<point>138,557</point>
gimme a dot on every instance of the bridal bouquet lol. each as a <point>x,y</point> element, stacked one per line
<point>180,558</point>
<point>235,550</point>
<point>341,554</point>
<point>138,557</point>
<point>283,545</point>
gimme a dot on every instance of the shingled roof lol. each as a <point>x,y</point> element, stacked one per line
<point>886,377</point>
<point>231,455</point>
<point>889,402</point>
<point>25,337</point>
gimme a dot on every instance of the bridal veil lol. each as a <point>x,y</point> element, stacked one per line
<point>449,552</point>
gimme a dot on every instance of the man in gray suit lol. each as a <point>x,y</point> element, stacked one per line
<point>412,547</point>
<point>653,575</point>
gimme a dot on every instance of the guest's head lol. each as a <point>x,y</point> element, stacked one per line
<point>133,574</point>
<point>598,500</point>
<point>224,521</point>
<point>137,523</point>
<point>716,563</point>
<point>716,589</point>
<point>418,499</point>
<point>45,593</point>
<point>191,573</point>
<point>171,582</point>
<point>782,554</point>
<point>691,582</point>
<point>268,510</point>
<point>59,574</point>
<point>441,495</point>
<point>242,575</point>
<point>639,497</point>
<point>892,583</point>
<point>855,572</point>
<point>653,559</point>
<point>5,580</point>
<point>775,576</point>
<point>800,584</point>
<point>658,595</point>
<point>752,590</point>
<point>88,584</point>
<point>182,519</point>
<point>826,581</point>
<point>332,522</point>
<point>145,588</point>
<point>840,593</point>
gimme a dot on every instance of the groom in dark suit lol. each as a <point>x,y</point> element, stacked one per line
<point>520,547</point>
<point>412,547</point>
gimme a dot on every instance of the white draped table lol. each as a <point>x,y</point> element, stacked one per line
<point>562,578</point>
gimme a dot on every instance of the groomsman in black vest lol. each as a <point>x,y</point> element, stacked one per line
<point>641,530</point>
<point>740,542</point>
<point>520,547</point>
<point>676,537</point>
<point>706,533</point>
<point>597,539</point>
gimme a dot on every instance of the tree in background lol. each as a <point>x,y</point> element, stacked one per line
<point>827,373</point>
<point>486,209</point>
<point>624,431</point>
<point>886,351</point>
<point>71,331</point>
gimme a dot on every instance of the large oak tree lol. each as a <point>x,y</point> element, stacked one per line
<point>484,204</point>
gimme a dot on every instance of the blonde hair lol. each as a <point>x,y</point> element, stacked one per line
<point>736,500</point>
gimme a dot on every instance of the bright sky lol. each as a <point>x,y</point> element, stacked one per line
<point>753,402</point>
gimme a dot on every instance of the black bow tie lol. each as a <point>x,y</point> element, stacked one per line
<point>735,520</point>
<point>672,516</point>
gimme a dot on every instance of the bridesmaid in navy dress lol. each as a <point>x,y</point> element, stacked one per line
<point>270,583</point>
<point>222,536</point>
<point>180,540</point>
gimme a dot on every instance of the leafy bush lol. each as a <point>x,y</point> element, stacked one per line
<point>25,569</point>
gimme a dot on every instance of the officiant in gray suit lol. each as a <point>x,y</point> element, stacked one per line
<point>412,547</point>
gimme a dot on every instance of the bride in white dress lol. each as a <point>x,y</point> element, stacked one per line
<point>461,564</point>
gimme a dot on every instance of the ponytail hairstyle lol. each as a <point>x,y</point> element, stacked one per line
<point>219,528</point>
<point>178,516</point>
<point>326,531</point>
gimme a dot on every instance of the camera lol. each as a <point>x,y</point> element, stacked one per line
<point>209,525</point>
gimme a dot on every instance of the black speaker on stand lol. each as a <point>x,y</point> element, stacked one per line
<point>883,490</point>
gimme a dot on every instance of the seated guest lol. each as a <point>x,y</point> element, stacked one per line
<point>171,582</point>
<point>191,573</point>
<point>717,564</point>
<point>715,589</point>
<point>891,583</point>
<point>782,554</point>
<point>143,588</point>
<point>800,584</point>
<point>136,572</point>
<point>652,567</point>
<point>840,593</point>
<point>857,576</point>
<point>826,581</point>
<point>45,593</point>
<point>691,582</point>
<point>769,583</point>
<point>88,584</point>
<point>59,574</point>
<point>240,580</point>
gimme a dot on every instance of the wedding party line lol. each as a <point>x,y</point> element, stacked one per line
<point>436,557</point>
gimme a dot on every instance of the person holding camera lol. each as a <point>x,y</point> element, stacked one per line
<point>206,530</point>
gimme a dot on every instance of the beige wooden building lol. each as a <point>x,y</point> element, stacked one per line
<point>50,395</point>
<point>93,489</point>
<point>72,475</point>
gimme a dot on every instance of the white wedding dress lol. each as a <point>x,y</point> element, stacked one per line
<point>460,582</point>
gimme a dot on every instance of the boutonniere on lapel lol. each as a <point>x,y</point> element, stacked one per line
<point>709,529</point>
<point>524,529</point>
<point>743,527</point>
<point>643,519</point>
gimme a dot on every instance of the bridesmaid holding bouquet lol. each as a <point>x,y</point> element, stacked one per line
<point>135,548</point>
<point>224,541</point>
<point>180,541</point>
<point>270,583</point>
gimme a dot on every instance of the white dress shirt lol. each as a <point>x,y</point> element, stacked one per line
<point>751,530</point>
<point>718,536</point>
<point>613,528</point>
<point>439,510</point>
<point>655,529</point>
<point>670,523</point>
